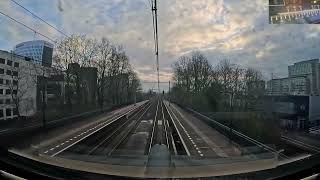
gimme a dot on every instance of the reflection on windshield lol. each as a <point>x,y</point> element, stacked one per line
<point>166,89</point>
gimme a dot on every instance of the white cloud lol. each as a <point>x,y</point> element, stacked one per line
<point>237,30</point>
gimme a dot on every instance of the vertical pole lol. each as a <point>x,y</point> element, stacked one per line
<point>157,40</point>
<point>44,102</point>
<point>169,93</point>
<point>156,21</point>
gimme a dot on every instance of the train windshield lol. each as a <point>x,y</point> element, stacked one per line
<point>160,89</point>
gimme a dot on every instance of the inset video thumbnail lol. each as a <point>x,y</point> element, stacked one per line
<point>294,11</point>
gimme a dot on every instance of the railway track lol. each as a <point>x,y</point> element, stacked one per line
<point>98,142</point>
<point>301,144</point>
<point>115,137</point>
<point>161,132</point>
<point>137,132</point>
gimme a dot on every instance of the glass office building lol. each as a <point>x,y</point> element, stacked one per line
<point>304,79</point>
<point>39,51</point>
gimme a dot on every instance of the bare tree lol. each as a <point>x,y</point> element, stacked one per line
<point>111,61</point>
<point>133,85</point>
<point>182,76</point>
<point>192,73</point>
<point>254,86</point>
<point>200,71</point>
<point>236,86</point>
<point>102,62</point>
<point>66,53</point>
<point>87,51</point>
<point>224,70</point>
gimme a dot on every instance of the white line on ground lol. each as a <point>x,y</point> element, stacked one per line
<point>111,120</point>
<point>217,150</point>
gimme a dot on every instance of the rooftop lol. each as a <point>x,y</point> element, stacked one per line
<point>307,61</point>
<point>35,42</point>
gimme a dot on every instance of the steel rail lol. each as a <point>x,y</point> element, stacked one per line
<point>155,122</point>
<point>176,128</point>
<point>164,122</point>
<point>123,138</point>
<point>105,124</point>
<point>118,129</point>
<point>301,144</point>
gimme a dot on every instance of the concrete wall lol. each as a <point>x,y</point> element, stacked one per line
<point>314,108</point>
<point>28,72</point>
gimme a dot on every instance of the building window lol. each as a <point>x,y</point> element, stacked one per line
<point>1,113</point>
<point>7,82</point>
<point>8,101</point>
<point>2,61</point>
<point>16,64</point>
<point>9,63</point>
<point>15,112</point>
<point>15,73</point>
<point>15,82</point>
<point>9,72</point>
<point>1,71</point>
<point>14,92</point>
<point>1,91</point>
<point>8,91</point>
<point>1,81</point>
<point>8,112</point>
<point>1,101</point>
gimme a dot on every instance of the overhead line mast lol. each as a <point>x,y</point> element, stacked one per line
<point>155,29</point>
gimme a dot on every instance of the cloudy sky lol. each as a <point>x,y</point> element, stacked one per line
<point>221,29</point>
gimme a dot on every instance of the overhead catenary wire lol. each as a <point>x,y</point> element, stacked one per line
<point>28,27</point>
<point>154,27</point>
<point>41,19</point>
<point>156,39</point>
<point>32,30</point>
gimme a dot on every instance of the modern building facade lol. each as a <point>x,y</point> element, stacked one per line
<point>18,85</point>
<point>294,112</point>
<point>39,51</point>
<point>309,70</point>
<point>8,80</point>
<point>303,79</point>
